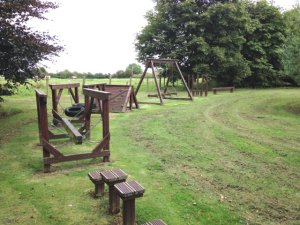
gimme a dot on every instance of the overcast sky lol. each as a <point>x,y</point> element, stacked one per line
<point>98,35</point>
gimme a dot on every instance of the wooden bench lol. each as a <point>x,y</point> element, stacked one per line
<point>129,191</point>
<point>112,177</point>
<point>96,178</point>
<point>223,89</point>
<point>155,222</point>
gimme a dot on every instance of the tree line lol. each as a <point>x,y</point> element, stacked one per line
<point>132,69</point>
<point>234,42</point>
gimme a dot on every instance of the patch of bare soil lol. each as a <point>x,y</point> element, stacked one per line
<point>293,108</point>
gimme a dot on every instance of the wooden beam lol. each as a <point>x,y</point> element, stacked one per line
<point>52,160</point>
<point>102,95</point>
<point>72,131</point>
<point>156,84</point>
<point>63,86</point>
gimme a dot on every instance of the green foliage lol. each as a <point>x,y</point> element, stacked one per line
<point>133,69</point>
<point>235,42</point>
<point>22,48</point>
<point>291,49</point>
<point>263,46</point>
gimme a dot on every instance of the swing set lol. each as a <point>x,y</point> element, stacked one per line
<point>164,93</point>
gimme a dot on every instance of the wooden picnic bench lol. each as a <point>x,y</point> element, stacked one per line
<point>222,89</point>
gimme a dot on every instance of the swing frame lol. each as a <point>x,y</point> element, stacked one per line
<point>56,91</point>
<point>151,63</point>
<point>51,154</point>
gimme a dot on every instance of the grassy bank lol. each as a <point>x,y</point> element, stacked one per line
<point>223,159</point>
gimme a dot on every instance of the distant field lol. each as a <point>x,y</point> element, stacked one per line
<point>230,158</point>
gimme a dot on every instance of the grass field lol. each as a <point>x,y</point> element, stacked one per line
<point>224,159</point>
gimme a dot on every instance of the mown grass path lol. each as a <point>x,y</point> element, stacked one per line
<point>225,159</point>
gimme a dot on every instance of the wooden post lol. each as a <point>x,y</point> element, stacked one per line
<point>87,116</point>
<point>184,83</point>
<point>109,79</point>
<point>114,200</point>
<point>76,95</point>
<point>142,78</point>
<point>43,124</point>
<point>156,83</point>
<point>129,212</point>
<point>47,84</point>
<point>105,121</point>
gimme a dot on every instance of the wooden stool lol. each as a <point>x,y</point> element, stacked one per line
<point>112,177</point>
<point>129,191</point>
<point>155,222</point>
<point>96,178</point>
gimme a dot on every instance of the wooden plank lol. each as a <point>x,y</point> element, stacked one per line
<point>102,95</point>
<point>52,160</point>
<point>165,61</point>
<point>72,131</point>
<point>63,86</point>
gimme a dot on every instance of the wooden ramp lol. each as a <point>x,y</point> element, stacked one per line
<point>122,97</point>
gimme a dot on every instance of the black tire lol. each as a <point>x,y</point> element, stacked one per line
<point>74,111</point>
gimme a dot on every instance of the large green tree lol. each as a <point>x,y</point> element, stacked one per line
<point>263,46</point>
<point>292,45</point>
<point>22,47</point>
<point>235,42</point>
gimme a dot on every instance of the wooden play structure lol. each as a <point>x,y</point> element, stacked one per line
<point>122,97</point>
<point>164,94</point>
<point>53,155</point>
<point>197,87</point>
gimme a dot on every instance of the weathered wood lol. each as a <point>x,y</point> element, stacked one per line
<point>96,178</point>
<point>64,86</point>
<point>96,94</point>
<point>112,177</point>
<point>155,222</point>
<point>222,89</point>
<point>66,158</point>
<point>52,155</point>
<point>184,83</point>
<point>129,191</point>
<point>72,131</point>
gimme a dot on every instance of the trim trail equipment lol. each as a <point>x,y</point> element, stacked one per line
<point>51,154</point>
<point>151,63</point>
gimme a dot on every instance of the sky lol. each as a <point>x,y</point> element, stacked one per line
<point>98,35</point>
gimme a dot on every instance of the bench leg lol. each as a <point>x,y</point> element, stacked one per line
<point>114,201</point>
<point>129,212</point>
<point>99,189</point>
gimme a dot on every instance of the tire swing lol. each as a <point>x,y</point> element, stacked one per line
<point>76,110</point>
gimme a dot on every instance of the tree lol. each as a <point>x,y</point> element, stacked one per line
<point>133,68</point>
<point>174,31</point>
<point>22,48</point>
<point>263,46</point>
<point>236,42</point>
<point>291,56</point>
